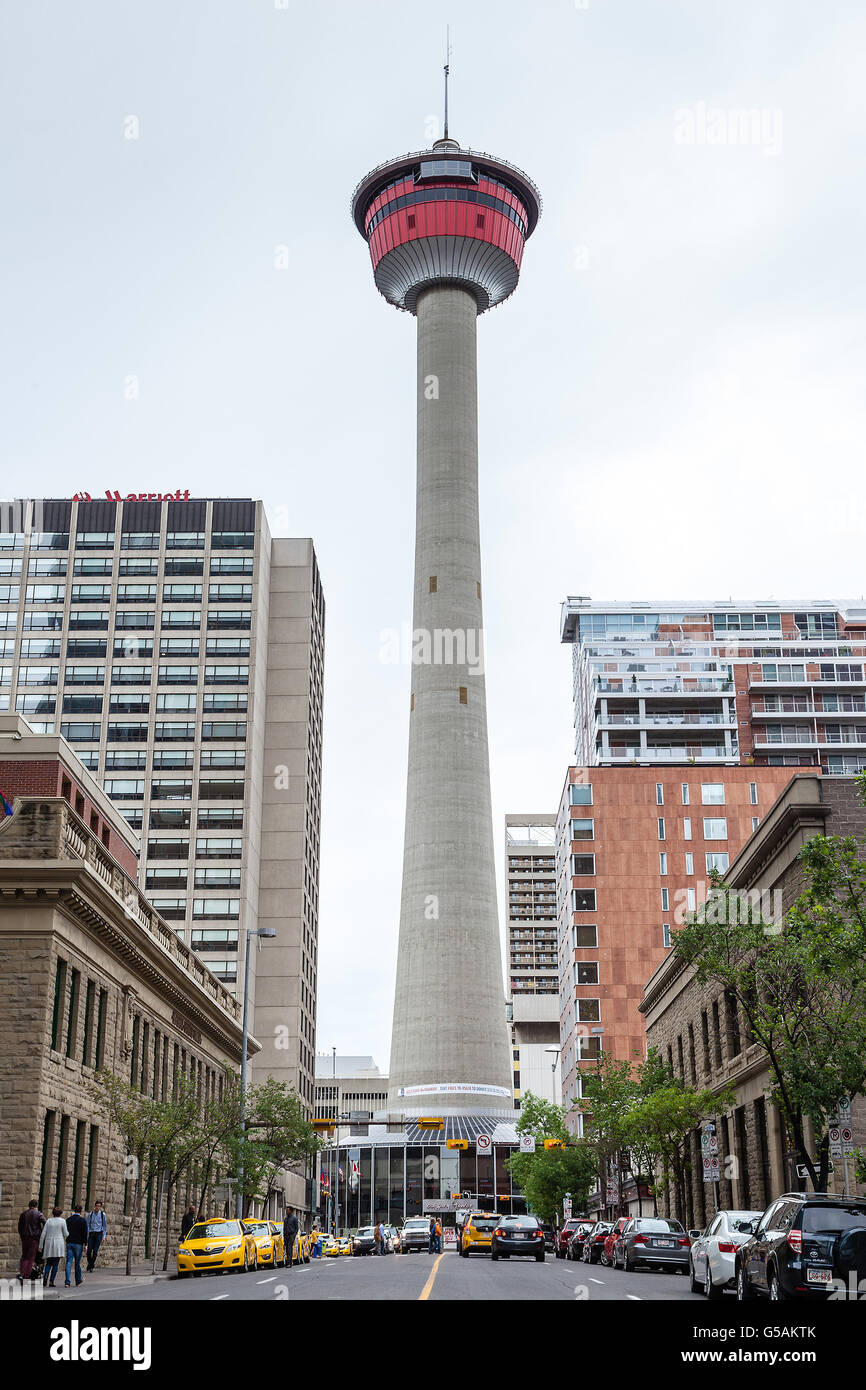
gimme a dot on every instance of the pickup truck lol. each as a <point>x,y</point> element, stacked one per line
<point>415,1234</point>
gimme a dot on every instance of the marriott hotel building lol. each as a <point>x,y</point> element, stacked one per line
<point>179,649</point>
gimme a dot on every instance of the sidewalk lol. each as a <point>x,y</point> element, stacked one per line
<point>109,1277</point>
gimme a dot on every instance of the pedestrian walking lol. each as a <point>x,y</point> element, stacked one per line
<point>383,1244</point>
<point>30,1224</point>
<point>290,1231</point>
<point>75,1242</point>
<point>438,1237</point>
<point>377,1236</point>
<point>52,1243</point>
<point>97,1230</point>
<point>431,1240</point>
<point>187,1222</point>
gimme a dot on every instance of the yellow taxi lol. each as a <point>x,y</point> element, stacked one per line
<point>301,1250</point>
<point>331,1246</point>
<point>270,1247</point>
<point>477,1233</point>
<point>217,1244</point>
<point>346,1247</point>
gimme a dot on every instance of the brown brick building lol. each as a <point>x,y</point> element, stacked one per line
<point>635,847</point>
<point>92,977</point>
<point>701,1033</point>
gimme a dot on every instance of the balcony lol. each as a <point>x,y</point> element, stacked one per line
<point>697,752</point>
<point>686,685</point>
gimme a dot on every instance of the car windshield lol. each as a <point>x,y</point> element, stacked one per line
<point>661,1224</point>
<point>367,1231</point>
<point>213,1230</point>
<point>483,1223</point>
<point>529,1221</point>
<point>415,1225</point>
<point>257,1228</point>
<point>821,1220</point>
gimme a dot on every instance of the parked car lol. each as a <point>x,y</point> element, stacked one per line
<point>575,1244</point>
<point>392,1240</point>
<point>549,1236</point>
<point>270,1246</point>
<point>518,1235</point>
<point>415,1234</point>
<point>593,1245</point>
<point>801,1245</point>
<point>477,1232</point>
<point>216,1244</point>
<point>331,1246</point>
<point>611,1239</point>
<point>712,1263</point>
<point>566,1231</point>
<point>659,1241</point>
<point>364,1241</point>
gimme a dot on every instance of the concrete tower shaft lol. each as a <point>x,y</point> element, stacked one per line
<point>449,1021</point>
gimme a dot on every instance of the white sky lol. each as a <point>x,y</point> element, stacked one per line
<point>672,404</point>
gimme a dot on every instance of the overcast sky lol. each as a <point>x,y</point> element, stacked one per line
<point>671,405</point>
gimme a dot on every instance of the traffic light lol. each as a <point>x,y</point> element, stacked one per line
<point>554,1144</point>
<point>457,1143</point>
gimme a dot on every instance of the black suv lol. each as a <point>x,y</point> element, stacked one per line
<point>805,1245</point>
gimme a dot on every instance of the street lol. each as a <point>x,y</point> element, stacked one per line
<point>412,1277</point>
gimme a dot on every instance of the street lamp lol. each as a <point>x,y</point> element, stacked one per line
<point>555,1051</point>
<point>251,931</point>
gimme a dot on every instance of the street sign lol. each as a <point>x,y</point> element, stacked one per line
<point>709,1143</point>
<point>711,1167</point>
<point>844,1103</point>
<point>566,1208</point>
<point>847,1136</point>
<point>803,1172</point>
<point>482,1143</point>
<point>834,1134</point>
<point>527,1144</point>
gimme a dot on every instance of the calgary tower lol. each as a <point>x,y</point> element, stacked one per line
<point>446,229</point>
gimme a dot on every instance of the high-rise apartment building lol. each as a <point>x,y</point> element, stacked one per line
<point>773,683</point>
<point>531,926</point>
<point>179,649</point>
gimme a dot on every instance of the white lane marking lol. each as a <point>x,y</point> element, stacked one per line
<point>595,1281</point>
<point>218,1297</point>
<point>635,1298</point>
<point>265,1281</point>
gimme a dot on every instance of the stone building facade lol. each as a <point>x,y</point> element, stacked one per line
<point>93,977</point>
<point>701,1033</point>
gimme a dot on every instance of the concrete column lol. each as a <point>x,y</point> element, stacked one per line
<point>449,1015</point>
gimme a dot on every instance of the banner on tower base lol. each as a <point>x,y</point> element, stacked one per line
<point>454,1088</point>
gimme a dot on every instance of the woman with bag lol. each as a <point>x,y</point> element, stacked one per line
<point>52,1243</point>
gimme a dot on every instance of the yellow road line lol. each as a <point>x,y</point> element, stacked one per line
<point>426,1291</point>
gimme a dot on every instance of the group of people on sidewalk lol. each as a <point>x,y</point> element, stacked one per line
<point>47,1241</point>
<point>435,1246</point>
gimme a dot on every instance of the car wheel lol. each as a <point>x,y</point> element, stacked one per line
<point>627,1263</point>
<point>694,1282</point>
<point>710,1289</point>
<point>493,1255</point>
<point>256,1260</point>
<point>604,1260</point>
<point>744,1289</point>
<point>559,1254</point>
<point>539,1259</point>
<point>777,1293</point>
<point>246,1261</point>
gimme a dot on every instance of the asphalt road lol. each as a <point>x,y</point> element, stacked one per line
<point>414,1277</point>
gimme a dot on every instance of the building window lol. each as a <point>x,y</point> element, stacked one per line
<point>583,900</point>
<point>665,903</point>
<point>582,864</point>
<point>584,935</point>
<point>690,863</point>
<point>59,990</point>
<point>715,828</point>
<point>589,1010</point>
<point>580,794</point>
<point>660,794</point>
<point>661,827</point>
<point>717,862</point>
<point>753,793</point>
<point>663,864</point>
<point>582,829</point>
<point>687,827</point>
<point>755,823</point>
<point>713,793</point>
<point>586,972</point>
<point>666,934</point>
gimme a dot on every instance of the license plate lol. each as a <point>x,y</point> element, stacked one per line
<point>819,1276</point>
<point>664,1242</point>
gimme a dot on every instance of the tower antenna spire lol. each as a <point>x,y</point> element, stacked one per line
<point>447,70</point>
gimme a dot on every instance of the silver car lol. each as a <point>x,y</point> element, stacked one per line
<point>659,1241</point>
<point>713,1254</point>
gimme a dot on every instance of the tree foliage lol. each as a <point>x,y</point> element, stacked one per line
<point>549,1175</point>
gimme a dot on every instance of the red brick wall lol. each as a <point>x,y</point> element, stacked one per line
<point>45,777</point>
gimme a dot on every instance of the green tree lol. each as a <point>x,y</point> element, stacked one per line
<point>276,1137</point>
<point>548,1175</point>
<point>800,984</point>
<point>607,1094</point>
<point>665,1118</point>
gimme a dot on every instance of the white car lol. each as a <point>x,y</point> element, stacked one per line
<point>713,1253</point>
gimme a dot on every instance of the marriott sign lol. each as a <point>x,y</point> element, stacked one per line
<point>176,496</point>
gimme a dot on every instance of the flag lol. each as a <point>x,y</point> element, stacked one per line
<point>5,804</point>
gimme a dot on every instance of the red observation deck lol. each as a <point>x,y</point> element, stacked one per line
<point>446,216</point>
